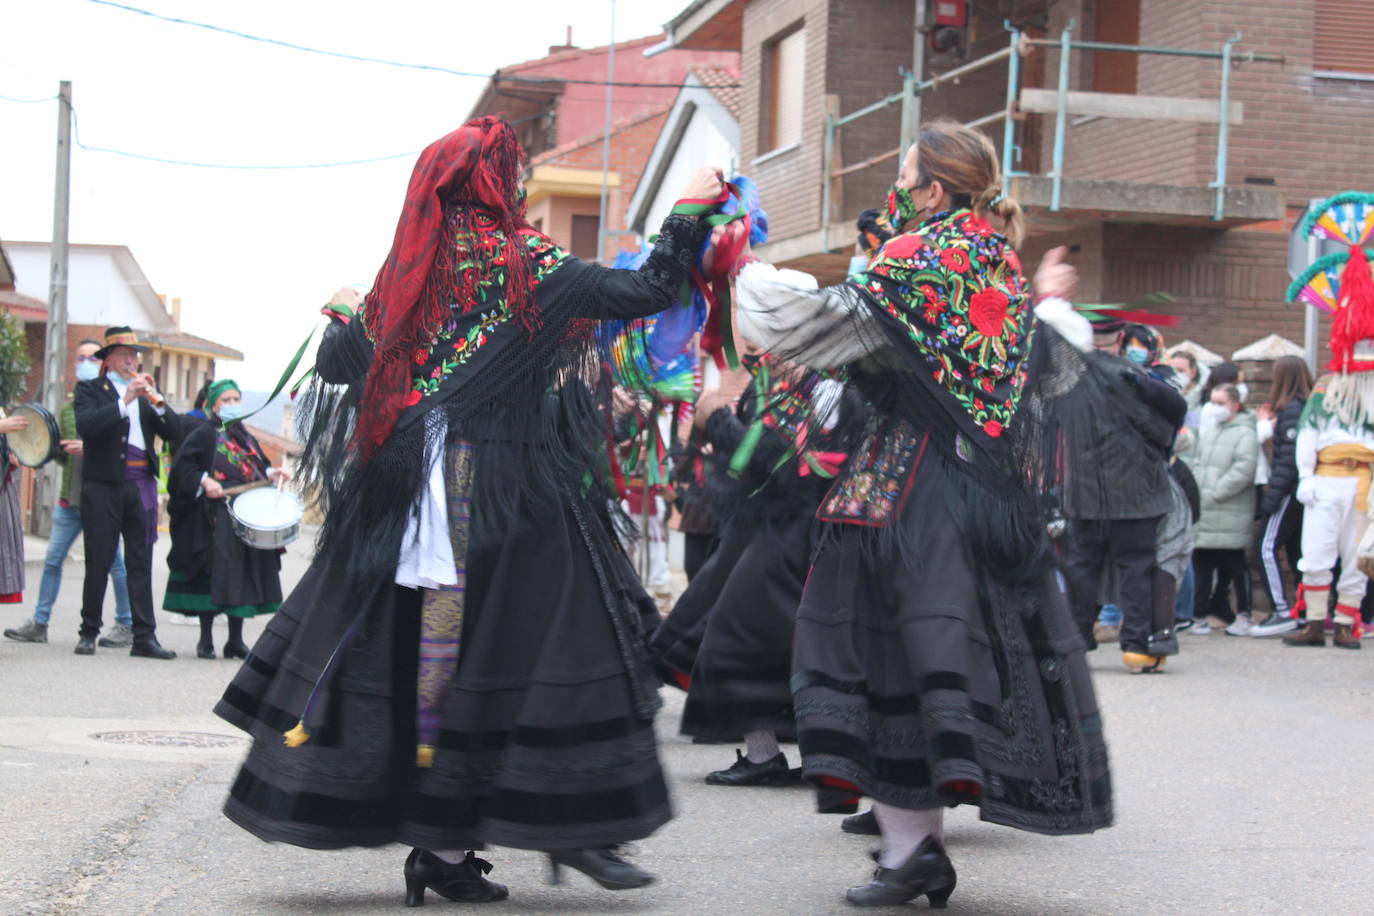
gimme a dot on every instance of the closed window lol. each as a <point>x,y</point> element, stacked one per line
<point>585,230</point>
<point>1343,36</point>
<point>1118,23</point>
<point>785,64</point>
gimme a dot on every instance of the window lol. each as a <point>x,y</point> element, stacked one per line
<point>1342,36</point>
<point>785,64</point>
<point>1118,23</point>
<point>585,229</point>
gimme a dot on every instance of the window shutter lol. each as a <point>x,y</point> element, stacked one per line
<point>1343,36</point>
<point>789,75</point>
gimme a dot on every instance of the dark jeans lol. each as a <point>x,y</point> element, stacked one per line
<point>110,511</point>
<point>1215,568</point>
<point>1130,545</point>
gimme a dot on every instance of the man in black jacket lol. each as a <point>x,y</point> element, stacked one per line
<point>119,415</point>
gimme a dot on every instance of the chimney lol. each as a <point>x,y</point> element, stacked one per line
<point>567,45</point>
<point>176,312</point>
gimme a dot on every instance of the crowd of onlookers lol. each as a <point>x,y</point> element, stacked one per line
<point>1233,459</point>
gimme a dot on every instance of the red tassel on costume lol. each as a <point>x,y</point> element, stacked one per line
<point>1356,628</point>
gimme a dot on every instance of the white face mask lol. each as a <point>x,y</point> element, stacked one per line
<point>1214,414</point>
<point>858,264</point>
<point>1244,391</point>
<point>87,371</point>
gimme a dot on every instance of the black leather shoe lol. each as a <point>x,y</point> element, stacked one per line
<point>927,871</point>
<point>235,649</point>
<point>864,824</point>
<point>463,881</point>
<point>85,645</point>
<point>1162,643</point>
<point>602,865</point>
<point>151,649</point>
<point>772,772</point>
<point>207,650</point>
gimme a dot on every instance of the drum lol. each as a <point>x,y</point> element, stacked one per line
<point>266,518</point>
<point>41,442</point>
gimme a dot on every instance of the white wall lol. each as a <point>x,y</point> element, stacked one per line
<point>98,291</point>
<point>703,143</point>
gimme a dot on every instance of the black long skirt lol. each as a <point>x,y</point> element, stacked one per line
<point>926,680</point>
<point>736,661</point>
<point>541,745</point>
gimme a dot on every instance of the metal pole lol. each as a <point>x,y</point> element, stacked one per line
<point>606,145</point>
<point>829,157</point>
<point>918,73</point>
<point>1150,49</point>
<point>1013,90</point>
<point>1310,316</point>
<point>54,389</point>
<point>1224,130</point>
<point>911,102</point>
<point>1061,116</point>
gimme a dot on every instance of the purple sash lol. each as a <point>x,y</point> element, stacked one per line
<point>138,470</point>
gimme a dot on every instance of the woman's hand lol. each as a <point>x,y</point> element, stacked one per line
<point>14,424</point>
<point>212,488</point>
<point>347,295</point>
<point>706,184</point>
<point>1055,277</point>
<point>280,475</point>
<point>73,446</point>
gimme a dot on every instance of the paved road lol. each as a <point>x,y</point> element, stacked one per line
<point>1242,787</point>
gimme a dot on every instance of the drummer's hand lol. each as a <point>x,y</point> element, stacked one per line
<point>212,488</point>
<point>73,446</point>
<point>13,424</point>
<point>280,475</point>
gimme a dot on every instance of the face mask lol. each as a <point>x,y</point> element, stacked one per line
<point>1244,391</point>
<point>230,412</point>
<point>1214,414</point>
<point>1138,355</point>
<point>119,377</point>
<point>87,371</point>
<point>858,264</point>
<point>901,209</point>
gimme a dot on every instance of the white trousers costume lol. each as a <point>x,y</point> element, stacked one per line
<point>1332,526</point>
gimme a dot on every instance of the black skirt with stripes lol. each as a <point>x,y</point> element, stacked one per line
<point>924,679</point>
<point>546,736</point>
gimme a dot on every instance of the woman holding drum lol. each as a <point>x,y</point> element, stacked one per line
<point>211,570</point>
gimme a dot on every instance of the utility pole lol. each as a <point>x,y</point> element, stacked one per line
<point>54,390</point>
<point>601,233</point>
<point>911,99</point>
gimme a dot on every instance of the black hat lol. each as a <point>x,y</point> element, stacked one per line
<point>122,336</point>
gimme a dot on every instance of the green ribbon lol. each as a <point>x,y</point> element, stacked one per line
<point>285,377</point>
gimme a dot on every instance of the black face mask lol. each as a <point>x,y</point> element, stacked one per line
<point>901,208</point>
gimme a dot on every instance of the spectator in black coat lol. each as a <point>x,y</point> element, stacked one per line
<point>1279,509</point>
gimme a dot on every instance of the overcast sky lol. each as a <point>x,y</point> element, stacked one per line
<point>253,255</point>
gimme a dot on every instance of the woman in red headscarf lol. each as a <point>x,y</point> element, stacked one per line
<point>465,662</point>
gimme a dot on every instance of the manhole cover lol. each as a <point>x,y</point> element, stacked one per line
<point>169,739</point>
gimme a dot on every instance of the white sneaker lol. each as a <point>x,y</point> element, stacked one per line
<point>1240,626</point>
<point>1200,627</point>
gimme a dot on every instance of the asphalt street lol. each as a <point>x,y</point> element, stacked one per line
<point>1242,785</point>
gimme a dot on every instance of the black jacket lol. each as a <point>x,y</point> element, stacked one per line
<point>104,431</point>
<point>1283,465</point>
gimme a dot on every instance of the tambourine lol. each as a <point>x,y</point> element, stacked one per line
<point>41,441</point>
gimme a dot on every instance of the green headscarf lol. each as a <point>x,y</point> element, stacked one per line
<point>217,388</point>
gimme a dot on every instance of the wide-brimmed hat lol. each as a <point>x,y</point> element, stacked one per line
<point>122,336</point>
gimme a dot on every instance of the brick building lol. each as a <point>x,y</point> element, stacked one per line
<point>558,105</point>
<point>1140,142</point>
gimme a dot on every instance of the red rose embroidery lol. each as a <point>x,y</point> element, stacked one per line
<point>955,259</point>
<point>903,246</point>
<point>413,398</point>
<point>992,428</point>
<point>988,311</point>
<point>420,355</point>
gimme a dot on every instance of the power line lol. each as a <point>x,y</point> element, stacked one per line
<point>544,80</point>
<point>10,98</point>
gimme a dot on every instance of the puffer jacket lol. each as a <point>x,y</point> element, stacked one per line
<point>1224,466</point>
<point>1283,473</point>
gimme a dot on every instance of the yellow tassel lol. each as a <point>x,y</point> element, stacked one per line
<point>298,735</point>
<point>424,755</point>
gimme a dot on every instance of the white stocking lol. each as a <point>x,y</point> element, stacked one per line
<point>904,829</point>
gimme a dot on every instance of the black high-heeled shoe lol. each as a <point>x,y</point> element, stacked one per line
<point>927,871</point>
<point>463,881</point>
<point>206,650</point>
<point>602,865</point>
<point>235,650</point>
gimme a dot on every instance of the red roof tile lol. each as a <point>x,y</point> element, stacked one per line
<point>723,82</point>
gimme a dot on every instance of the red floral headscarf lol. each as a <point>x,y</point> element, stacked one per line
<point>476,166</point>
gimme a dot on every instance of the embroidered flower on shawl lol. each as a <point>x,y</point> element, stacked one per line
<point>955,259</point>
